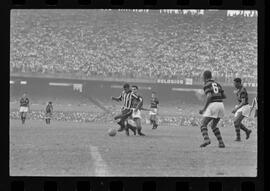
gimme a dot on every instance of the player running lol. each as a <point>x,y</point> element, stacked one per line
<point>241,110</point>
<point>126,96</point>
<point>48,112</point>
<point>136,108</point>
<point>213,109</point>
<point>154,110</point>
<point>24,107</point>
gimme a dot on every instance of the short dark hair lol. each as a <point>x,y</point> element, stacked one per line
<point>126,85</point>
<point>207,74</point>
<point>134,86</point>
<point>238,80</point>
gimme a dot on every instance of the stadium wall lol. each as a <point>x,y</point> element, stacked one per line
<point>170,94</point>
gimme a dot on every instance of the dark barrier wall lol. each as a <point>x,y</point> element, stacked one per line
<point>103,90</point>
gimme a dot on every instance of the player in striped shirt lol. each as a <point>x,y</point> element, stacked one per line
<point>241,110</point>
<point>24,107</point>
<point>126,96</point>
<point>213,109</point>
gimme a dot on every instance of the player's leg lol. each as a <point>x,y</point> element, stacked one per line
<point>237,124</point>
<point>246,130</point>
<point>131,127</point>
<point>152,119</point>
<point>217,133</point>
<point>23,117</point>
<point>139,126</point>
<point>127,113</point>
<point>205,122</point>
<point>245,113</point>
<point>155,124</point>
<point>121,122</point>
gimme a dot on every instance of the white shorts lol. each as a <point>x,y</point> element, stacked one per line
<point>131,122</point>
<point>23,109</point>
<point>136,114</point>
<point>215,110</point>
<point>154,112</point>
<point>244,109</point>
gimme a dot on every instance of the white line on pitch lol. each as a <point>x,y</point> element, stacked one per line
<point>101,168</point>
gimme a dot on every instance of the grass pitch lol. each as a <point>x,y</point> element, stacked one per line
<point>86,149</point>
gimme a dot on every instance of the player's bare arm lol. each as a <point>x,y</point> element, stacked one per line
<point>145,109</point>
<point>223,95</point>
<point>117,98</point>
<point>208,101</point>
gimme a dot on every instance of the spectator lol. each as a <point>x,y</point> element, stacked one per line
<point>117,43</point>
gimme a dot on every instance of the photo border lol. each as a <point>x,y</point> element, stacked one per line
<point>131,183</point>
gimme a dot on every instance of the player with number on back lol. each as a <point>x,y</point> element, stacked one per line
<point>213,109</point>
<point>241,110</point>
<point>24,107</point>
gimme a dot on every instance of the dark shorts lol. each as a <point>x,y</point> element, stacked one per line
<point>125,113</point>
<point>48,115</point>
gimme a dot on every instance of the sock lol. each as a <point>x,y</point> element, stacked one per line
<point>243,128</point>
<point>217,134</point>
<point>237,130</point>
<point>205,133</point>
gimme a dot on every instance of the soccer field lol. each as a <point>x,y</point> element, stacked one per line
<point>85,149</point>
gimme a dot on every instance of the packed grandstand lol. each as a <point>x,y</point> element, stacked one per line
<point>133,44</point>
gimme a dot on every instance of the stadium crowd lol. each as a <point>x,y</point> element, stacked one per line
<point>133,44</point>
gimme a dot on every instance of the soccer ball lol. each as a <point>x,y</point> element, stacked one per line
<point>112,132</point>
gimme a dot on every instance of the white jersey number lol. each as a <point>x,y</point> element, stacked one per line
<point>215,88</point>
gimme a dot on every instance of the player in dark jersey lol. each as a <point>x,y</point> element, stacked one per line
<point>153,114</point>
<point>241,110</point>
<point>126,96</point>
<point>24,107</point>
<point>136,108</point>
<point>48,112</point>
<point>213,109</point>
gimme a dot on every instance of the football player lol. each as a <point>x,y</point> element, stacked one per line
<point>241,110</point>
<point>126,96</point>
<point>48,112</point>
<point>213,109</point>
<point>136,108</point>
<point>24,107</point>
<point>154,110</point>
